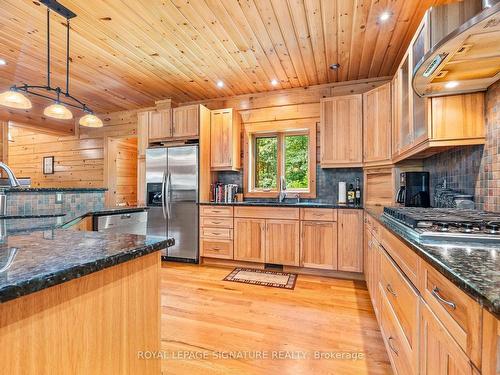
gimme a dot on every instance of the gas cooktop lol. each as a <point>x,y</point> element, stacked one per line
<point>446,223</point>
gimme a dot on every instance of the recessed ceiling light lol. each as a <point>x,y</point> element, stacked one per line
<point>384,16</point>
<point>451,84</point>
<point>334,66</point>
<point>274,82</point>
<point>220,84</point>
<point>3,62</point>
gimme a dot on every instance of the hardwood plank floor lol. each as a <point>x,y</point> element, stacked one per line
<point>204,318</point>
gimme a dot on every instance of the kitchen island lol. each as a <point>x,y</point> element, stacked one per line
<point>76,302</point>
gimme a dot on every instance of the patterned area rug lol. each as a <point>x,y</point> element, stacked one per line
<point>273,279</point>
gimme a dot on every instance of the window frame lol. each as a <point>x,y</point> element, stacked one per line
<point>285,128</point>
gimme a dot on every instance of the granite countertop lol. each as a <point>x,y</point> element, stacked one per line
<point>474,268</point>
<point>44,220</point>
<point>40,259</point>
<point>304,204</point>
<point>49,189</point>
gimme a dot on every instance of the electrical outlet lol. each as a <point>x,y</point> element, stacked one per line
<point>59,197</point>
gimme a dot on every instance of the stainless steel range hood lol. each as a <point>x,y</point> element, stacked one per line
<point>466,60</point>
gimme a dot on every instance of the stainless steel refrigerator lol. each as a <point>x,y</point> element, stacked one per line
<point>172,195</point>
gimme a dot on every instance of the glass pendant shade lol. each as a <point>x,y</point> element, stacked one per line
<point>58,111</point>
<point>14,99</point>
<point>91,121</point>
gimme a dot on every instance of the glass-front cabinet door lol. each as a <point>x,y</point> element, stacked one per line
<point>418,108</point>
<point>405,120</point>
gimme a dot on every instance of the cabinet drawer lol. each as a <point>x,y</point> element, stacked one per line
<point>216,211</point>
<point>318,214</point>
<point>404,257</point>
<point>216,222</point>
<point>267,212</point>
<point>459,313</point>
<point>403,299</point>
<point>222,233</point>
<point>397,346</point>
<point>216,248</point>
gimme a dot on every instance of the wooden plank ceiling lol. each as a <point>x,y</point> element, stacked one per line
<point>126,54</point>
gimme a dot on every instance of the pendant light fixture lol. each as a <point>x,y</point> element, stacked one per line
<point>14,98</point>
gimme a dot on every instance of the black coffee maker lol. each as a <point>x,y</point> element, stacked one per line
<point>414,189</point>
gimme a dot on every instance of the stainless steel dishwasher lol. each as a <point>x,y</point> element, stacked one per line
<point>130,222</point>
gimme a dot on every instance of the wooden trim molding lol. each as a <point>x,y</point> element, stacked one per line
<point>303,126</point>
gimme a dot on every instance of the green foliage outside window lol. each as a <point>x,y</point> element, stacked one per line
<point>266,162</point>
<point>296,161</point>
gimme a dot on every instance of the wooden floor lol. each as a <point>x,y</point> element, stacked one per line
<point>205,317</point>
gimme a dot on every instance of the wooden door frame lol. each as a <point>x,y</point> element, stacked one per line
<point>109,172</point>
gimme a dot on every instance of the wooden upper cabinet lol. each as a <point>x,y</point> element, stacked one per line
<point>249,239</point>
<point>458,117</point>
<point>185,121</point>
<point>377,125</point>
<point>425,126</point>
<point>225,140</point>
<point>350,240</point>
<point>439,353</point>
<point>341,131</point>
<point>318,244</point>
<point>160,124</point>
<point>282,242</point>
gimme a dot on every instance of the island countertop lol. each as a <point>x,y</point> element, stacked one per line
<point>475,268</point>
<point>40,259</point>
<point>46,219</point>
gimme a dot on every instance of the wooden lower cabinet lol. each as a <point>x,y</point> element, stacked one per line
<point>215,248</point>
<point>397,347</point>
<point>318,245</point>
<point>459,313</point>
<point>428,324</point>
<point>371,257</point>
<point>350,240</point>
<point>282,242</point>
<point>249,239</point>
<point>439,353</point>
<point>403,300</point>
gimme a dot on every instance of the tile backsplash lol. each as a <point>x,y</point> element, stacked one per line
<point>459,166</point>
<point>474,169</point>
<point>29,203</point>
<point>327,181</point>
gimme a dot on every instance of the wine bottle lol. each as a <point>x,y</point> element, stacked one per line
<point>350,195</point>
<point>357,200</point>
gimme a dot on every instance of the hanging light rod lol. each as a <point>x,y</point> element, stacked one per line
<point>15,99</point>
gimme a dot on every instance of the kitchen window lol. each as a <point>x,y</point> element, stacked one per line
<point>272,153</point>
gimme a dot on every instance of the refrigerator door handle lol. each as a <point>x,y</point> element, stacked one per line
<point>163,180</point>
<point>169,180</point>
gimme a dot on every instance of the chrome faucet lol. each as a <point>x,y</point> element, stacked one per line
<point>13,182</point>
<point>282,192</point>
<point>10,175</point>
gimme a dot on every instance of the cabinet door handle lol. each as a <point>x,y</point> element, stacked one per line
<point>435,293</point>
<point>216,222</point>
<point>389,342</point>
<point>390,290</point>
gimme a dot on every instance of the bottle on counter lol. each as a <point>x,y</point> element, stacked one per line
<point>351,195</point>
<point>357,194</point>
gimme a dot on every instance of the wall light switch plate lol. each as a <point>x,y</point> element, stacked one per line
<point>59,197</point>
